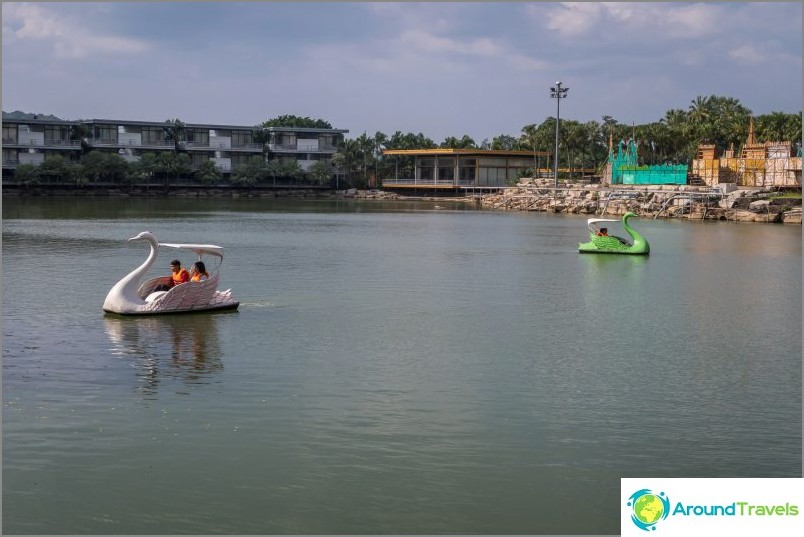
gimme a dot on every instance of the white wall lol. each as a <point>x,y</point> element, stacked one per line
<point>130,138</point>
<point>223,163</point>
<point>307,144</point>
<point>32,158</point>
<point>220,142</point>
<point>26,136</point>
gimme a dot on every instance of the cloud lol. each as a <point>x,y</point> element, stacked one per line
<point>747,54</point>
<point>655,21</point>
<point>432,44</point>
<point>70,41</point>
<point>573,19</point>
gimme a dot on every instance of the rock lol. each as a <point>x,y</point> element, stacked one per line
<point>792,216</point>
<point>759,205</point>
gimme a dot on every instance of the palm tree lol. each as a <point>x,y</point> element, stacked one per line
<point>273,167</point>
<point>379,140</point>
<point>147,166</point>
<point>291,169</point>
<point>208,172</point>
<point>320,172</point>
<point>251,172</point>
<point>174,130</point>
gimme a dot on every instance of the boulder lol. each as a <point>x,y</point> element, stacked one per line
<point>792,216</point>
<point>759,205</point>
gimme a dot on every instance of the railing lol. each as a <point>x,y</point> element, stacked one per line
<point>11,163</point>
<point>311,148</point>
<point>431,182</point>
<point>72,144</point>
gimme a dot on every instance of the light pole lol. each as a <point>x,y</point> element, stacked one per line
<point>557,93</point>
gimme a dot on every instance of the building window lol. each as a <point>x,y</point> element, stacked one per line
<point>106,133</point>
<point>241,138</point>
<point>56,133</point>
<point>153,135</point>
<point>10,134</point>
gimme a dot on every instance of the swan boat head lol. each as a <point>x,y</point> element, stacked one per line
<point>130,297</point>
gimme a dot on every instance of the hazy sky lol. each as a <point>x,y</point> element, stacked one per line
<point>442,69</point>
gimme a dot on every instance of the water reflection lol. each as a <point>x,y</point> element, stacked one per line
<point>180,348</point>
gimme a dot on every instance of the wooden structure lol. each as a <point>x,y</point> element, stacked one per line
<point>759,164</point>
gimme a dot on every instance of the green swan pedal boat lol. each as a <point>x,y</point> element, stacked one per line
<point>612,244</point>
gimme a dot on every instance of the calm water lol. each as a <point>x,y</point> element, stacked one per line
<point>393,368</point>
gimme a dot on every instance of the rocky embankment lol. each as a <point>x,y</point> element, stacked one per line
<point>668,201</point>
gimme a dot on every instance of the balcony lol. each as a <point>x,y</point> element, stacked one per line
<point>111,142</point>
<point>10,163</point>
<point>409,182</point>
<point>303,148</point>
<point>221,146</point>
<point>43,144</point>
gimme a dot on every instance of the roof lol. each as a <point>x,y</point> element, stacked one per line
<point>304,129</point>
<point>199,249</point>
<point>465,152</point>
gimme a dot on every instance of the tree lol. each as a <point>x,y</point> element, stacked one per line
<point>320,172</point>
<point>79,133</point>
<point>147,167</point>
<point>778,126</point>
<point>273,168</point>
<point>78,174</point>
<point>54,169</point>
<point>172,164</point>
<point>251,172</point>
<point>346,158</point>
<point>454,143</point>
<point>296,121</point>
<point>27,174</point>
<point>116,169</point>
<point>94,164</point>
<point>208,173</point>
<point>379,140</point>
<point>174,130</point>
<point>291,169</point>
<point>504,142</point>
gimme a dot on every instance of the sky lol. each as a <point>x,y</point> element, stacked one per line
<point>441,69</point>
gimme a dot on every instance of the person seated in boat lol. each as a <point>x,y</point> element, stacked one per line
<point>603,232</point>
<point>199,272</point>
<point>178,274</point>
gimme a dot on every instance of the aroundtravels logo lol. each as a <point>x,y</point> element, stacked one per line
<point>648,508</point>
<point>680,507</point>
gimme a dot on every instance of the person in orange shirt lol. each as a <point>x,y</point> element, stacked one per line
<point>198,272</point>
<point>178,274</point>
<point>603,232</point>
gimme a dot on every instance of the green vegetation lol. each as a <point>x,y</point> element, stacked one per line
<point>674,139</point>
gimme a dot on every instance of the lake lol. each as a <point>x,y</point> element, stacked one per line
<point>395,367</point>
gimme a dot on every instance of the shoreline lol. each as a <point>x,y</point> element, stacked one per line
<point>761,205</point>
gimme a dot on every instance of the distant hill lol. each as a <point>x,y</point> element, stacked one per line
<point>17,115</point>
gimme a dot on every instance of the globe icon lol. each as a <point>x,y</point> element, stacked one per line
<point>648,509</point>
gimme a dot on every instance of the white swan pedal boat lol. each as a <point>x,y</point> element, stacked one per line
<point>129,297</point>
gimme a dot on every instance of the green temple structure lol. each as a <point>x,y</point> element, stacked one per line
<point>623,168</point>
